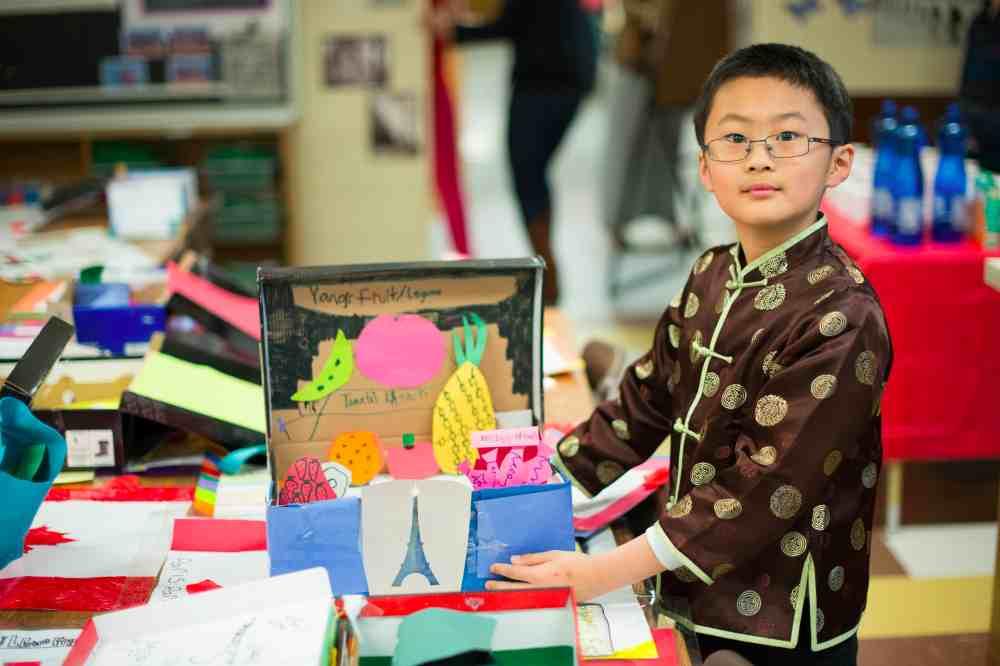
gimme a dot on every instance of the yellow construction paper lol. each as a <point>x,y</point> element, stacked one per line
<point>82,476</point>
<point>201,389</point>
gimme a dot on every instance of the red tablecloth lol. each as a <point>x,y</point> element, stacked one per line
<point>941,401</point>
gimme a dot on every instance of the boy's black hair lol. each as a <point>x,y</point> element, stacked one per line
<point>788,63</point>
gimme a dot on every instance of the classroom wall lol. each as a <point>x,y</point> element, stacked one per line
<point>349,205</point>
<point>846,43</point>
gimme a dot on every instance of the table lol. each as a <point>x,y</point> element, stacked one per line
<point>943,321</point>
<point>567,399</point>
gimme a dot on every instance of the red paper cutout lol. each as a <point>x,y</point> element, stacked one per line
<point>100,594</point>
<point>206,585</point>
<point>123,489</point>
<point>43,536</point>
<point>305,483</point>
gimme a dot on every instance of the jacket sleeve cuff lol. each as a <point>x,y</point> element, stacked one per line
<point>669,556</point>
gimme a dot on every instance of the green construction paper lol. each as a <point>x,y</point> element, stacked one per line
<point>436,633</point>
<point>30,461</point>
<point>91,274</point>
<point>202,390</point>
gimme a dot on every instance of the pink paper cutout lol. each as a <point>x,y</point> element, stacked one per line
<point>239,311</point>
<point>506,466</point>
<point>402,351</point>
<point>416,463</point>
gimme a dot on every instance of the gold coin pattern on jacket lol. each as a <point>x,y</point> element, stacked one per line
<point>766,455</point>
<point>675,335</point>
<point>794,544</point>
<point>833,324</point>
<point>774,266</point>
<point>823,386</point>
<point>621,429</point>
<point>824,296</point>
<point>748,603</point>
<point>608,471</point>
<point>821,517</point>
<point>856,273</point>
<point>864,367</point>
<point>681,508</point>
<point>644,370</point>
<point>704,261</point>
<point>836,578</point>
<point>569,446</point>
<point>858,534</point>
<point>770,297</point>
<point>869,475</point>
<point>711,386</point>
<point>734,396</point>
<point>832,462</point>
<point>727,509</point>
<point>771,410</point>
<point>818,275</point>
<point>702,473</point>
<point>691,308</point>
<point>786,502</point>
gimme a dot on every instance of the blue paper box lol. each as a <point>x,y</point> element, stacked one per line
<point>104,316</point>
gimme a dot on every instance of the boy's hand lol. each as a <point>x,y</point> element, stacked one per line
<point>554,568</point>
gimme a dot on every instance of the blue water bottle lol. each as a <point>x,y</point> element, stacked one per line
<point>950,222</point>
<point>883,134</point>
<point>908,186</point>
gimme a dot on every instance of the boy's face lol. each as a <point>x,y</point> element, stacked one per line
<point>763,192</point>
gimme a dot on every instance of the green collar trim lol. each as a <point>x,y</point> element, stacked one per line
<point>770,254</point>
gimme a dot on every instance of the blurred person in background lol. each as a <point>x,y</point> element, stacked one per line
<point>663,52</point>
<point>979,93</point>
<point>555,63</point>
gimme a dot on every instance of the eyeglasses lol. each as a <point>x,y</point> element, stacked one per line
<point>735,147</point>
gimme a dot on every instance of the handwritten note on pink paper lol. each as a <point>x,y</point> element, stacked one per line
<point>416,463</point>
<point>509,457</point>
<point>506,437</point>
<point>241,312</point>
<point>401,351</point>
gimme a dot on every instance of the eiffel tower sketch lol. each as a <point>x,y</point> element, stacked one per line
<point>415,560</point>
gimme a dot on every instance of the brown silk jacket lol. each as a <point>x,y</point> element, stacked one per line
<point>766,379</point>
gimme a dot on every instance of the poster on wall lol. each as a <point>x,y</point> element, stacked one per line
<point>923,22</point>
<point>394,123</point>
<point>356,60</point>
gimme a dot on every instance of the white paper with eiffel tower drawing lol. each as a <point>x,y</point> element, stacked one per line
<point>414,535</point>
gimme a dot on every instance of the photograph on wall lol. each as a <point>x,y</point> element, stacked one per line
<point>395,123</point>
<point>356,60</point>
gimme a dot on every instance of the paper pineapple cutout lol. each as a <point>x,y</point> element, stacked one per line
<point>336,372</point>
<point>358,452</point>
<point>464,405</point>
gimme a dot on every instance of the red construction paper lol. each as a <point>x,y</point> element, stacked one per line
<point>123,489</point>
<point>240,311</point>
<point>74,594</point>
<point>219,535</point>
<point>206,585</point>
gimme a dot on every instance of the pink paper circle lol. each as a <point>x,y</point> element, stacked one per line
<point>402,351</point>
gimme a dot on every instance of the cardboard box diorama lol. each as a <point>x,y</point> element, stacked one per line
<point>375,378</point>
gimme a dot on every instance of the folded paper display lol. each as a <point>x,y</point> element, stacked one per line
<point>281,620</point>
<point>324,534</point>
<point>528,627</point>
<point>402,536</point>
<point>501,530</point>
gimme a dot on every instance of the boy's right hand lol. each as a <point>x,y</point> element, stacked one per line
<point>554,568</point>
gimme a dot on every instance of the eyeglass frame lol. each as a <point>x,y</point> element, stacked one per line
<point>833,143</point>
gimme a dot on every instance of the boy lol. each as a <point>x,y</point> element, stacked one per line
<point>766,374</point>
